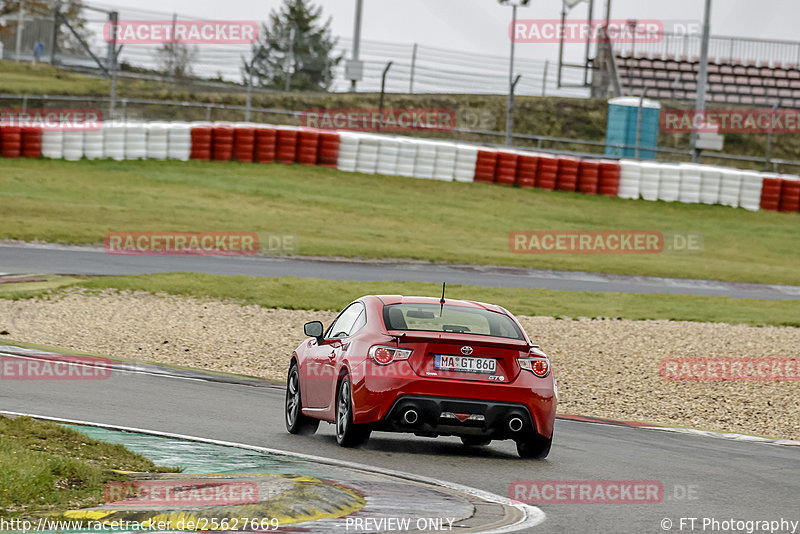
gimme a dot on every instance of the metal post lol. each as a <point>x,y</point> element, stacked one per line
<point>702,79</point>
<point>383,93</point>
<point>20,26</point>
<point>112,102</point>
<point>639,122</point>
<point>588,44</point>
<point>357,37</point>
<point>510,109</point>
<point>561,43</point>
<point>769,135</point>
<point>173,53</point>
<point>54,40</point>
<point>510,113</point>
<point>413,68</point>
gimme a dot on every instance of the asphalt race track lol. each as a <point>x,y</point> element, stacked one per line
<point>43,259</point>
<point>726,479</point>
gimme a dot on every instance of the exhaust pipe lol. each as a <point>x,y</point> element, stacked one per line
<point>515,424</point>
<point>410,416</point>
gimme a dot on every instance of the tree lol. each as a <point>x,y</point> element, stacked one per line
<point>176,60</point>
<point>43,9</point>
<point>295,43</point>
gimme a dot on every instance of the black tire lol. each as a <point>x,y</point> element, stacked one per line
<point>348,434</point>
<point>536,447</point>
<point>475,441</point>
<point>296,422</point>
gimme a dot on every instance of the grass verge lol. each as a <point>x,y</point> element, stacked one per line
<point>46,468</point>
<point>356,215</point>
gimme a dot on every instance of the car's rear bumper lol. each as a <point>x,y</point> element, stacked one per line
<point>381,401</point>
<point>461,417</point>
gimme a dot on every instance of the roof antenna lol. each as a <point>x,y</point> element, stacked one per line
<point>441,302</point>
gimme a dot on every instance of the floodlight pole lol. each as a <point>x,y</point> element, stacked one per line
<point>510,107</point>
<point>702,78</point>
<point>357,38</point>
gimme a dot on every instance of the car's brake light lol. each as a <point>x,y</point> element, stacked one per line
<point>386,355</point>
<point>538,366</point>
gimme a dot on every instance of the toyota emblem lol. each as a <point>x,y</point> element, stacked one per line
<point>466,351</point>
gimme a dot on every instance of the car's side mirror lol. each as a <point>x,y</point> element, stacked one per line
<point>314,329</point>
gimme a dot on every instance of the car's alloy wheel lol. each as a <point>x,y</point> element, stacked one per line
<point>536,446</point>
<point>348,434</point>
<point>296,422</point>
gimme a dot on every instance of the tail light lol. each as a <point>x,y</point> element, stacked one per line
<point>538,365</point>
<point>386,355</point>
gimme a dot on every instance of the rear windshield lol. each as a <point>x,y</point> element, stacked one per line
<point>449,318</point>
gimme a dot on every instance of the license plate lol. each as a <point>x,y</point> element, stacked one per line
<point>465,364</point>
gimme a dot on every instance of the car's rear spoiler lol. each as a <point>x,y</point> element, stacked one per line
<point>454,337</point>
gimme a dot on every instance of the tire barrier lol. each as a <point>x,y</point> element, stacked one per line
<point>406,157</point>
<point>53,144</point>
<point>771,192</point>
<point>367,159</point>
<point>610,172</point>
<point>691,183</point>
<point>328,149</point>
<point>222,142</point>
<point>73,145</point>
<point>588,177</point>
<point>650,181</point>
<point>444,167</point>
<point>527,167</point>
<point>114,140</point>
<point>266,145</point>
<point>567,179</point>
<point>486,165</point>
<point>750,198</point>
<point>731,187</point>
<point>307,146</point>
<point>244,142</point>
<point>669,185</point>
<point>506,173</point>
<point>31,142</point>
<point>157,140</point>
<point>201,136</point>
<point>425,162</point>
<point>466,159</point>
<point>409,157</point>
<point>547,176</point>
<point>179,140</point>
<point>710,185</point>
<point>790,195</point>
<point>348,151</point>
<point>388,154</point>
<point>630,179</point>
<point>286,144</point>
<point>10,141</point>
<point>135,140</point>
<point>93,144</point>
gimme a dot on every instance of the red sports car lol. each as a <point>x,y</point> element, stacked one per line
<point>430,366</point>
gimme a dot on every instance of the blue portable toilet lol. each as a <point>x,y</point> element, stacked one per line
<point>623,116</point>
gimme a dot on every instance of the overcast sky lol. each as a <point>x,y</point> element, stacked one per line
<point>482,25</point>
